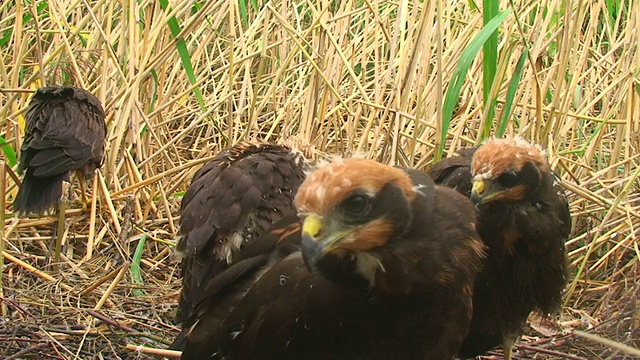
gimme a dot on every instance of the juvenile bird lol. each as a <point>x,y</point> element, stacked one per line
<point>64,132</point>
<point>524,220</point>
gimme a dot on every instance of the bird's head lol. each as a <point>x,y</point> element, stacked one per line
<point>352,206</point>
<point>507,170</point>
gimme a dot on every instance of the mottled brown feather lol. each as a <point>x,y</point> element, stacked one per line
<point>236,208</point>
<point>64,132</point>
<point>455,172</point>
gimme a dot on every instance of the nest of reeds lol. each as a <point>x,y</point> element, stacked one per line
<point>395,82</point>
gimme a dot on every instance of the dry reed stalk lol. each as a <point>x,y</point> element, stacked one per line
<point>92,217</point>
<point>616,345</point>
<point>100,281</point>
<point>114,283</point>
<point>351,78</point>
<point>153,351</point>
<point>3,187</point>
<point>35,271</point>
<point>107,197</point>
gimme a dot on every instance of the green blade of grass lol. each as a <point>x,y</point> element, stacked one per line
<point>8,151</point>
<point>490,8</point>
<point>6,37</point>
<point>460,72</point>
<point>134,268</point>
<point>511,92</point>
<point>254,3</point>
<point>185,57</point>
<point>242,4</point>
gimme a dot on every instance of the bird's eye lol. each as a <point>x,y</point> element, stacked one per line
<point>508,179</point>
<point>356,204</point>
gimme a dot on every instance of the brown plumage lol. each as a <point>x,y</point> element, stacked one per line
<point>243,194</point>
<point>524,220</point>
<point>455,172</point>
<point>385,271</point>
<point>64,132</point>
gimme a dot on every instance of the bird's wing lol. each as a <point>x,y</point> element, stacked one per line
<point>242,191</point>
<point>455,172</point>
<point>65,131</point>
<point>232,202</point>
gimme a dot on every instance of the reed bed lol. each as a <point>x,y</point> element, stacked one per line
<point>402,82</point>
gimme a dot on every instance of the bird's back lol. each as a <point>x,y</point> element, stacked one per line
<point>455,172</point>
<point>242,195</point>
<point>64,131</point>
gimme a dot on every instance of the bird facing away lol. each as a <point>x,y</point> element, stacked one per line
<point>386,271</point>
<point>64,132</point>
<point>524,220</point>
<point>243,194</point>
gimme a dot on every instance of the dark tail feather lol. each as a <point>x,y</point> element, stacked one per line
<point>180,341</point>
<point>38,194</point>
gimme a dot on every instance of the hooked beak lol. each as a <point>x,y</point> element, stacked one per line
<point>318,240</point>
<point>484,191</point>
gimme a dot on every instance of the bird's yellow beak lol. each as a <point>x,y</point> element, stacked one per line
<point>478,187</point>
<point>318,239</point>
<point>312,226</point>
<point>483,192</point>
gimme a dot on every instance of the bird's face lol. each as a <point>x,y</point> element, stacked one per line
<point>352,206</point>
<point>506,170</point>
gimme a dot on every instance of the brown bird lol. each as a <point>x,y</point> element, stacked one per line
<point>64,132</point>
<point>386,271</point>
<point>524,221</point>
<point>243,194</point>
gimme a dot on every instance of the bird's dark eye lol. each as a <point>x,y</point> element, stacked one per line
<point>356,204</point>
<point>508,179</point>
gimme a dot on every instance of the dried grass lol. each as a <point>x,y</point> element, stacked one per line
<point>347,77</point>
